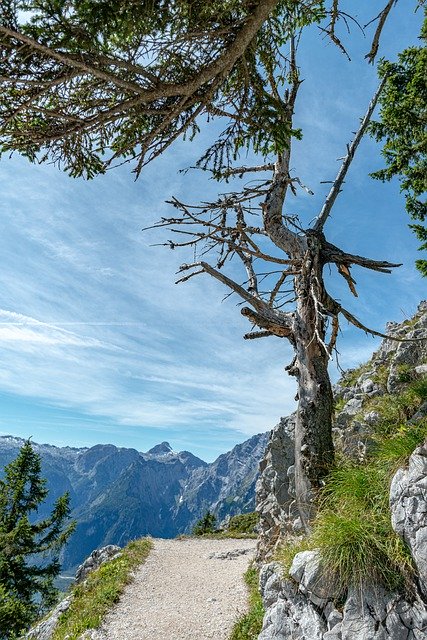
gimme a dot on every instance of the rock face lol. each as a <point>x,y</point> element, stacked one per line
<point>274,488</point>
<point>384,373</point>
<point>301,606</point>
<point>45,629</point>
<point>95,560</point>
<point>118,494</point>
<point>353,425</point>
<point>408,504</point>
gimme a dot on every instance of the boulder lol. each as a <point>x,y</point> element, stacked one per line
<point>408,505</point>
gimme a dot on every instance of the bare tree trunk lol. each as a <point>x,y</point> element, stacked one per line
<point>314,451</point>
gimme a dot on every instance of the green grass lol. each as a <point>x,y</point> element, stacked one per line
<point>243,523</point>
<point>102,589</point>
<point>249,626</point>
<point>394,451</point>
<point>352,530</point>
<point>351,376</point>
<point>395,410</point>
<point>235,535</point>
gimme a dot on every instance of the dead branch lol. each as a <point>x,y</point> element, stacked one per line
<point>351,149</point>
<point>382,17</point>
<point>270,322</point>
<point>257,334</point>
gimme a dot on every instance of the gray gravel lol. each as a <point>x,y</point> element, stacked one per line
<point>186,590</point>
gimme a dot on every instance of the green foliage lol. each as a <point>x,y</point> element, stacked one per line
<point>249,626</point>
<point>102,588</point>
<point>243,523</point>
<point>29,551</point>
<point>402,128</point>
<point>116,92</point>
<point>394,451</point>
<point>338,404</point>
<point>205,525</point>
<point>288,550</point>
<point>15,615</point>
<point>381,375</point>
<point>395,410</point>
<point>405,373</point>
<point>351,376</point>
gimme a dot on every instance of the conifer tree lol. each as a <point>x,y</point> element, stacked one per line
<point>29,550</point>
<point>402,129</point>
<point>206,524</point>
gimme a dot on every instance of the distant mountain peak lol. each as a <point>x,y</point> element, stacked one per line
<point>160,449</point>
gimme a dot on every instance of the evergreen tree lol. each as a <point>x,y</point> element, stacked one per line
<point>206,524</point>
<point>402,129</point>
<point>29,551</point>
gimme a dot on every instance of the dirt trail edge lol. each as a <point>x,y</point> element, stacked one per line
<point>186,590</point>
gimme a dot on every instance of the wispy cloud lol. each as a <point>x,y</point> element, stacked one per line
<point>91,322</point>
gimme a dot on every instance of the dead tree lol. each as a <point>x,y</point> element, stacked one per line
<point>88,86</point>
<point>283,286</point>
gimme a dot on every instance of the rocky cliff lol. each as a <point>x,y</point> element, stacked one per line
<point>381,406</point>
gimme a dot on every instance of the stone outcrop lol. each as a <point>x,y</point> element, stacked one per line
<point>303,604</point>
<point>95,560</point>
<point>46,628</point>
<point>274,495</point>
<point>389,367</point>
<point>302,607</point>
<point>408,504</point>
<point>352,430</point>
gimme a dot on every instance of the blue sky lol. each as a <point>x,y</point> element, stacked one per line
<point>99,345</point>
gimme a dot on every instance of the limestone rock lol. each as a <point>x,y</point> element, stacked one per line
<point>369,612</point>
<point>303,607</point>
<point>408,504</point>
<point>96,559</point>
<point>44,630</point>
<point>230,555</point>
<point>273,488</point>
<point>307,570</point>
<point>291,615</point>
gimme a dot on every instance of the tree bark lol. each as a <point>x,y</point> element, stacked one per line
<point>314,450</point>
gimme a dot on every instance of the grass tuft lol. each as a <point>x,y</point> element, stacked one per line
<point>103,587</point>
<point>249,626</point>
<point>352,530</point>
<point>395,410</point>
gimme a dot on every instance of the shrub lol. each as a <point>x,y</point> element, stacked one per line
<point>353,530</point>
<point>205,525</point>
<point>243,523</point>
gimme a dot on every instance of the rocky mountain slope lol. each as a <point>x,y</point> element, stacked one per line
<point>118,494</point>
<point>381,417</point>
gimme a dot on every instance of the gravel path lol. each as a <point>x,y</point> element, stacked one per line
<point>186,590</point>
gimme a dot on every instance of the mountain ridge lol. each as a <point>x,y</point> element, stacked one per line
<point>119,493</point>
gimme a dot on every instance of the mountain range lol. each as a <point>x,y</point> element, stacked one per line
<point>118,494</point>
